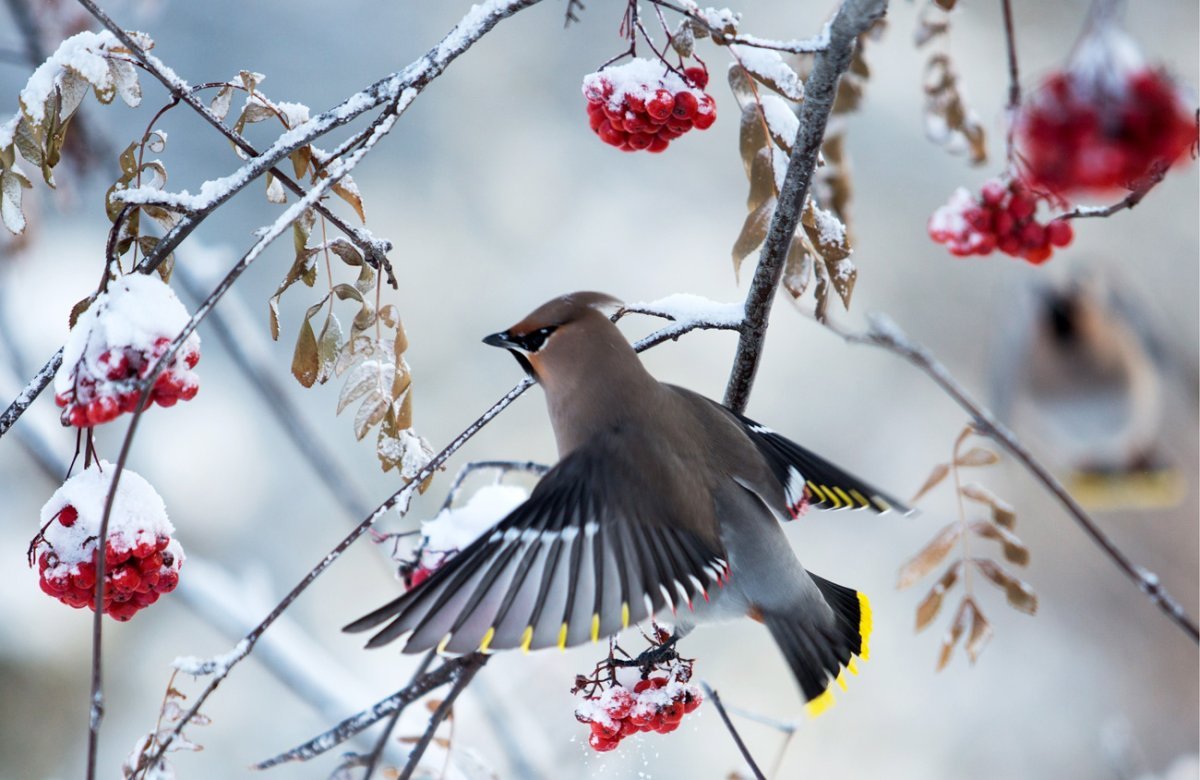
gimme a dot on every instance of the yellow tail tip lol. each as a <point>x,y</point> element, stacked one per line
<point>562,637</point>
<point>819,704</point>
<point>864,625</point>
<point>487,640</point>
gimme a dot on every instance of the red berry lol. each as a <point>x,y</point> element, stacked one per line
<point>68,515</point>
<point>685,106</point>
<point>706,113</point>
<point>661,105</point>
<point>993,193</point>
<point>1060,233</point>
<point>658,144</point>
<point>602,744</point>
<point>635,104</point>
<point>697,76</point>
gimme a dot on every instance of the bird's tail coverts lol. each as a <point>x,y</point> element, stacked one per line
<point>819,656</point>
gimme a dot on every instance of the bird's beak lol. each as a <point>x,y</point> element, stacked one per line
<point>501,339</point>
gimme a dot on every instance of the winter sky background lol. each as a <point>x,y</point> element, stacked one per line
<point>497,197</point>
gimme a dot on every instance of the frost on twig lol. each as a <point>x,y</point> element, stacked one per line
<point>147,759</point>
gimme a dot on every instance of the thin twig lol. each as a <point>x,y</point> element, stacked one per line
<point>1014,78</point>
<point>737,738</point>
<point>475,662</point>
<point>1152,179</point>
<point>885,333</point>
<point>852,19</point>
<point>372,760</point>
<point>723,38</point>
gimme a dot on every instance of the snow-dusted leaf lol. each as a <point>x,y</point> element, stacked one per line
<point>301,159</point>
<point>221,102</point>
<point>752,135</point>
<point>762,180</point>
<point>359,382</point>
<point>12,181</point>
<point>981,633</point>
<point>328,344</point>
<point>72,89</point>
<point>125,77</point>
<point>930,556</point>
<point>754,230</point>
<point>303,269</point>
<point>346,251</point>
<point>768,67</point>
<point>305,363</point>
<point>781,120</point>
<point>843,275</point>
<point>798,268</point>
<point>373,408</point>
<point>954,634</point>
<point>1015,550</point>
<point>27,144</point>
<point>1019,594</point>
<point>826,232</point>
<point>275,193</point>
<point>347,190</point>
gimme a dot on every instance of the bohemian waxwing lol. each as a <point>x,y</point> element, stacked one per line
<point>1078,369</point>
<point>659,495</point>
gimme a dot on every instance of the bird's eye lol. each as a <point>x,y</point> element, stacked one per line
<point>533,341</point>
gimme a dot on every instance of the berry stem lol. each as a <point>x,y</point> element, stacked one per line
<point>733,732</point>
<point>1014,78</point>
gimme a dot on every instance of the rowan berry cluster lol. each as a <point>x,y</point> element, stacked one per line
<point>1002,218</point>
<point>141,559</point>
<point>642,105</point>
<point>657,703</point>
<point>115,344</point>
<point>1097,129</point>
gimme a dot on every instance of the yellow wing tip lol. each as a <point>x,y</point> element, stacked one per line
<point>820,703</point>
<point>864,625</point>
<point>595,627</point>
<point>441,648</point>
<point>841,679</point>
<point>487,640</point>
<point>562,637</point>
<point>526,639</point>
<point>624,614</point>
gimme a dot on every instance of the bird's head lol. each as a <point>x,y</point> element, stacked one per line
<point>543,339</point>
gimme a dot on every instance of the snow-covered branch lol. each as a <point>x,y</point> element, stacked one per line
<point>852,19</point>
<point>721,24</point>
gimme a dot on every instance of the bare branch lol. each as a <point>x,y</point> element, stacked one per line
<point>1014,78</point>
<point>737,738</point>
<point>852,19</point>
<point>885,333</point>
<point>32,390</point>
<point>421,685</point>
<point>724,38</point>
<point>1140,191</point>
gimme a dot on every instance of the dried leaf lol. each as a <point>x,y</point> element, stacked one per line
<point>930,556</point>
<point>981,633</point>
<point>373,408</point>
<point>77,310</point>
<point>843,275</point>
<point>826,233</point>
<point>954,634</point>
<point>361,380</point>
<point>346,251</point>
<point>752,135</point>
<point>1015,550</point>
<point>275,193</point>
<point>12,181</point>
<point>301,160</point>
<point>782,122</point>
<point>933,480</point>
<point>754,230</point>
<point>928,608</point>
<point>328,344</point>
<point>305,361</point>
<point>797,271</point>
<point>220,104</point>
<point>125,77</point>
<point>768,68</point>
<point>977,456</point>
<point>1019,593</point>
<point>684,40</point>
<point>347,190</point>
<point>762,179</point>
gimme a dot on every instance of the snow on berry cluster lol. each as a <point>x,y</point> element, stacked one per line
<point>116,343</point>
<point>656,703</point>
<point>454,528</point>
<point>1107,122</point>
<point>641,104</point>
<point>1003,218</point>
<point>141,559</point>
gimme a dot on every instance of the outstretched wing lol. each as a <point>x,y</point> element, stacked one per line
<point>579,560</point>
<point>807,477</point>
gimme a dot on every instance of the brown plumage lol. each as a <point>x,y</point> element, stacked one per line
<point>662,499</point>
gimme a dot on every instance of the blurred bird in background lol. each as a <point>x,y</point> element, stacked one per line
<point>660,495</point>
<point>1079,370</point>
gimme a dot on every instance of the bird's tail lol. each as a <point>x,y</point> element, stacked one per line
<point>819,654</point>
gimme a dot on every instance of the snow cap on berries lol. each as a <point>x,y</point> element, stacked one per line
<point>135,311</point>
<point>138,514</point>
<point>639,78</point>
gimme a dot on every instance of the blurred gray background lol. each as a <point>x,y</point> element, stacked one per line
<point>497,197</point>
